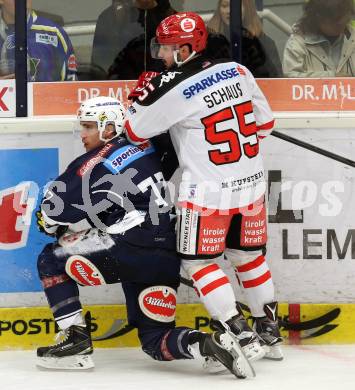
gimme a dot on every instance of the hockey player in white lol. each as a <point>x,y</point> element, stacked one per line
<point>216,115</point>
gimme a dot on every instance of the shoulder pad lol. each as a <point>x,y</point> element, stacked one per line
<point>169,79</point>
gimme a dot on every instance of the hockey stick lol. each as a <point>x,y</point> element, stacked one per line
<point>310,324</point>
<point>186,282</point>
<point>320,332</point>
<point>313,148</point>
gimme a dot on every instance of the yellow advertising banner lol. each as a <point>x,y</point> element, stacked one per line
<point>28,328</point>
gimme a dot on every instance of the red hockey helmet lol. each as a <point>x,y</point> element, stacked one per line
<point>183,28</point>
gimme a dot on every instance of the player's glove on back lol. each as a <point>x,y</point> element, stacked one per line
<point>142,82</point>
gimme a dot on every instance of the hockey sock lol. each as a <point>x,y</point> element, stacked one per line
<point>213,287</point>
<point>63,297</point>
<point>254,277</point>
<point>75,319</point>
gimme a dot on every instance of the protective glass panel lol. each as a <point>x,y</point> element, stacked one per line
<point>7,40</point>
<point>314,38</point>
<point>101,40</point>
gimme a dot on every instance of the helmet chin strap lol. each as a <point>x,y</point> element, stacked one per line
<point>179,63</point>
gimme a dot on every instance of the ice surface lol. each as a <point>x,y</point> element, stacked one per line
<point>329,367</point>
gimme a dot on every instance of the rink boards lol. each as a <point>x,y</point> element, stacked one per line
<point>27,328</point>
<point>311,246</point>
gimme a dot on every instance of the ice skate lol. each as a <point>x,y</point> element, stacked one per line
<point>222,349</point>
<point>267,329</point>
<point>238,328</point>
<point>72,351</point>
<point>247,340</point>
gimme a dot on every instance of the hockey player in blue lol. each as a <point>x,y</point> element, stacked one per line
<point>50,53</point>
<point>112,224</point>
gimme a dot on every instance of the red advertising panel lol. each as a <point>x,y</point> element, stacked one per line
<point>63,98</point>
<point>337,94</point>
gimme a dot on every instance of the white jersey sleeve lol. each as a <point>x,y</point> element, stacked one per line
<point>156,113</point>
<point>263,115</point>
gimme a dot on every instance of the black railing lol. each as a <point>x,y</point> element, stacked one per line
<point>21,57</point>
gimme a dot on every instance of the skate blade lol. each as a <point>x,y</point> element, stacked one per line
<point>213,366</point>
<point>77,362</point>
<point>254,351</point>
<point>273,352</point>
<point>241,365</point>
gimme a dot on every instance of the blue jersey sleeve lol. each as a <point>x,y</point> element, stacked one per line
<point>50,52</point>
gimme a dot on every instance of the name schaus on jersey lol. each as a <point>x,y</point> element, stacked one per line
<point>209,81</point>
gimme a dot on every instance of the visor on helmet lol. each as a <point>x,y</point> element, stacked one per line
<point>157,49</point>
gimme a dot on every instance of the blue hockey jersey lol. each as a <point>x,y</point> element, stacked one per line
<point>102,186</point>
<point>50,53</point>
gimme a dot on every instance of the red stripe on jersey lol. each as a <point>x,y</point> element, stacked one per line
<point>257,281</point>
<point>131,134</point>
<point>252,265</point>
<point>204,271</point>
<point>213,285</point>
<point>261,136</point>
<point>266,126</point>
<point>241,70</point>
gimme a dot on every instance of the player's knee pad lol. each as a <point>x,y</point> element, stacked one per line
<point>83,271</point>
<point>239,257</point>
<point>158,303</point>
<point>192,266</point>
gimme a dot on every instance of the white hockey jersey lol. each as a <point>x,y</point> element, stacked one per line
<point>216,114</point>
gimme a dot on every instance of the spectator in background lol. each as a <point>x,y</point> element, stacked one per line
<point>50,52</point>
<point>323,41</point>
<point>259,52</point>
<point>135,57</point>
<point>122,19</point>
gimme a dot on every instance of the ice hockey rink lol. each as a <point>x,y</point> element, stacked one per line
<point>304,367</point>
